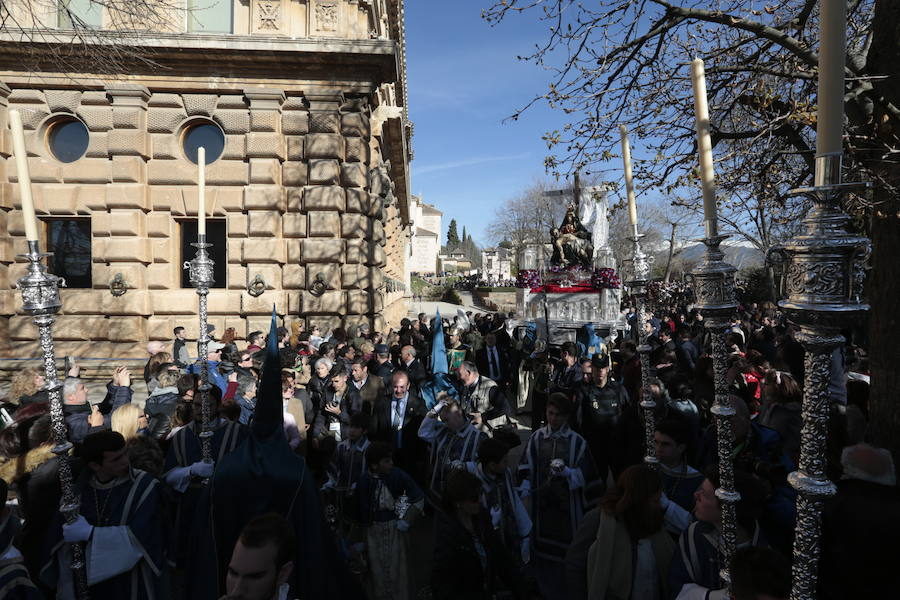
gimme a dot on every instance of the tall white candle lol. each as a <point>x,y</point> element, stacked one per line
<point>629,180</point>
<point>18,136</point>
<point>704,143</point>
<point>832,56</point>
<point>201,191</point>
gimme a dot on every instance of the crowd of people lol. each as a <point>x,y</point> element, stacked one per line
<point>328,453</point>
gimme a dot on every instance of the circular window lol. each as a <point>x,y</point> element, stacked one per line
<point>203,134</point>
<point>67,138</point>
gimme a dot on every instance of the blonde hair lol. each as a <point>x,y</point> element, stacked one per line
<point>125,420</point>
<point>295,408</point>
<point>23,385</point>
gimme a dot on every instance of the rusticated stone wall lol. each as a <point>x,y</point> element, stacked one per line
<point>302,186</point>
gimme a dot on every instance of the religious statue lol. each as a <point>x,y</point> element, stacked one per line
<point>572,243</point>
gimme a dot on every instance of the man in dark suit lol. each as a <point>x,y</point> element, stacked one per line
<point>687,353</point>
<point>493,361</point>
<point>371,389</point>
<point>424,329</point>
<point>397,419</point>
<point>412,366</point>
<point>381,365</point>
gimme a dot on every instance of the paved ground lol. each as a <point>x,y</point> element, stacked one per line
<point>430,307</point>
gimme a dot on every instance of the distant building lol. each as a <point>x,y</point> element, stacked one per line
<point>425,243</point>
<point>496,264</point>
<point>455,262</point>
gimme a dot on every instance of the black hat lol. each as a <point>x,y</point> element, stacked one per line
<point>600,361</point>
<point>508,438</point>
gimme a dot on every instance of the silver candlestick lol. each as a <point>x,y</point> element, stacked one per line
<point>824,271</point>
<point>640,263</point>
<point>200,272</point>
<point>40,296</point>
<point>713,282</point>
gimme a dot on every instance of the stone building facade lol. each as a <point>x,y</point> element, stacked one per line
<point>496,264</point>
<point>311,185</point>
<point>425,245</point>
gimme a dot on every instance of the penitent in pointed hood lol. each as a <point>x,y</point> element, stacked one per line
<point>438,350</point>
<point>269,414</point>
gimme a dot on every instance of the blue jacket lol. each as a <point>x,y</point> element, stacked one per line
<point>215,377</point>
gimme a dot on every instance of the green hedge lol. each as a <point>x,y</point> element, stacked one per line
<point>451,296</point>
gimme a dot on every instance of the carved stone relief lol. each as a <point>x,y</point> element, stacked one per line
<point>268,17</point>
<point>327,16</point>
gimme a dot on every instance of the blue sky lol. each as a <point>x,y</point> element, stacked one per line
<point>464,79</point>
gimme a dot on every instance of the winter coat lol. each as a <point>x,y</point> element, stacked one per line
<point>160,408</point>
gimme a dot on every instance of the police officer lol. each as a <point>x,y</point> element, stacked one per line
<point>600,405</point>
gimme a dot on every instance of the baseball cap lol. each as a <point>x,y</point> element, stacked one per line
<point>214,346</point>
<point>382,349</point>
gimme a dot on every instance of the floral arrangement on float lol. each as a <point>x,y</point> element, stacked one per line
<point>568,279</point>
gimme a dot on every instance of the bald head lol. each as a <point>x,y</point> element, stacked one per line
<point>155,348</point>
<point>400,384</point>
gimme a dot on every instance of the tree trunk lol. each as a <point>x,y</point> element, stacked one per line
<point>671,252</point>
<point>884,322</point>
<point>884,278</point>
<point>770,280</point>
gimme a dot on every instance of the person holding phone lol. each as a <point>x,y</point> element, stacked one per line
<point>82,417</point>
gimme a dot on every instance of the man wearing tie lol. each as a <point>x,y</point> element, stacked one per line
<point>493,362</point>
<point>397,423</point>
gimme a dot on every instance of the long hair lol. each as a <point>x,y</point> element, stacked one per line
<point>784,385</point>
<point>296,327</point>
<point>125,420</point>
<point>635,501</point>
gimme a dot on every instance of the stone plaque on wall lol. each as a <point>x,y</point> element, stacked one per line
<point>268,17</point>
<point>326,17</point>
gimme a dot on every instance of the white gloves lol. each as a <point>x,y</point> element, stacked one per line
<point>496,516</point>
<point>664,501</point>
<point>202,469</point>
<point>78,531</point>
<point>436,411</point>
<point>402,525</point>
<point>574,477</point>
<point>525,488</point>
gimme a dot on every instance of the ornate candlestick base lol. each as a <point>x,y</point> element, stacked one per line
<point>638,286</point>
<point>201,277</point>
<point>824,274</point>
<point>40,296</point>
<point>714,291</point>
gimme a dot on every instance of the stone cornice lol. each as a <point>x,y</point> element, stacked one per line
<point>230,55</point>
<point>201,41</point>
